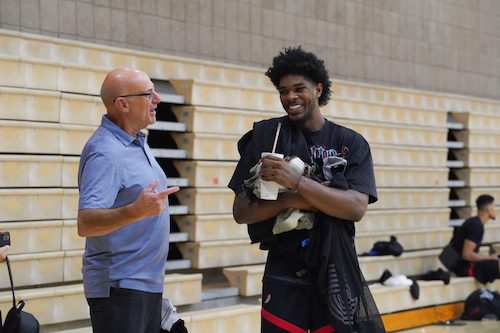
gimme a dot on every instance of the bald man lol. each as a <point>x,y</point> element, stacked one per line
<point>123,210</point>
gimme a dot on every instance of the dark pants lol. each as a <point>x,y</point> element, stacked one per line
<point>288,308</point>
<point>126,311</point>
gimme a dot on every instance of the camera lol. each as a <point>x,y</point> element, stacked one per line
<point>4,238</point>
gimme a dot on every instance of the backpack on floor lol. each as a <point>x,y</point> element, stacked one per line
<point>17,320</point>
<point>482,303</point>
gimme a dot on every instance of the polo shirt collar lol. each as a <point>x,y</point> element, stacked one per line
<point>119,133</point>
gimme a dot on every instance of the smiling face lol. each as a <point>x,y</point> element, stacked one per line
<point>299,97</point>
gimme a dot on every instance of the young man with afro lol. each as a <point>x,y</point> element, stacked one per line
<point>312,281</point>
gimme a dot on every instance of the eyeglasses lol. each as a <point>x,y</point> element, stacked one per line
<point>149,94</point>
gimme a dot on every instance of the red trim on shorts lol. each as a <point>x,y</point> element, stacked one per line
<point>281,323</point>
<point>325,329</point>
<point>470,271</point>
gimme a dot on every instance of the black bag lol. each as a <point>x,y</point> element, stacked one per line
<point>449,257</point>
<point>482,303</point>
<point>17,320</point>
<point>384,248</point>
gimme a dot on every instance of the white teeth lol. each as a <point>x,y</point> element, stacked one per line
<point>294,107</point>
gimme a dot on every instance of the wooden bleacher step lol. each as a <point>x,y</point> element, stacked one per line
<point>221,147</point>
<point>47,204</point>
<point>220,200</point>
<point>59,304</point>
<point>29,104</point>
<point>478,157</point>
<point>216,94</point>
<point>200,228</point>
<point>395,299</point>
<point>479,177</point>
<point>418,239</point>
<point>242,318</point>
<point>51,235</point>
<point>168,126</point>
<point>218,174</point>
<point>42,138</point>
<point>229,121</point>
<point>483,121</point>
<point>18,45</point>
<point>222,226</point>
<point>167,92</point>
<point>403,219</point>
<point>222,253</point>
<point>456,183</point>
<point>30,171</point>
<point>169,153</point>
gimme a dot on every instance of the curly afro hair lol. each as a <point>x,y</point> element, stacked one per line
<point>294,60</point>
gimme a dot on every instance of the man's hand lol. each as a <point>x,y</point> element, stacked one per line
<point>98,222</point>
<point>151,203</point>
<point>277,170</point>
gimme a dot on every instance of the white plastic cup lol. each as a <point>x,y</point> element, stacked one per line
<point>269,190</point>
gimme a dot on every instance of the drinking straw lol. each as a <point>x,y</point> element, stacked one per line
<point>276,137</point>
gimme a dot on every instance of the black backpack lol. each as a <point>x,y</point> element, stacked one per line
<point>17,320</point>
<point>482,303</point>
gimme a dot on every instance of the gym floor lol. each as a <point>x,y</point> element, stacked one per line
<point>484,326</point>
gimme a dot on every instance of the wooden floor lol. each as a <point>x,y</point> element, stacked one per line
<point>485,326</point>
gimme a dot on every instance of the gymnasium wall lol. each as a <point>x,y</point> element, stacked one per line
<point>438,45</point>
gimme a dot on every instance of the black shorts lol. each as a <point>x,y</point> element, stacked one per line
<point>290,299</point>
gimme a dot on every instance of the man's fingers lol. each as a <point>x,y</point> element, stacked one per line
<point>166,192</point>
<point>151,187</point>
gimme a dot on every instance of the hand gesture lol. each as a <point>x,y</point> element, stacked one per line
<point>151,203</point>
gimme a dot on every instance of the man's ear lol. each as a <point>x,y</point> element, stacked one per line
<point>121,104</point>
<point>318,90</point>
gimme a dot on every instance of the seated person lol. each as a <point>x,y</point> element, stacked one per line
<point>468,238</point>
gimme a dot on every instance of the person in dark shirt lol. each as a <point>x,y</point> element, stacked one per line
<point>467,240</point>
<point>294,288</point>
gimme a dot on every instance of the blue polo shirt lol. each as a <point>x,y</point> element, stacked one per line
<point>114,168</point>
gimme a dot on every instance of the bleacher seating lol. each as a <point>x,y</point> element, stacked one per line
<point>49,106</point>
